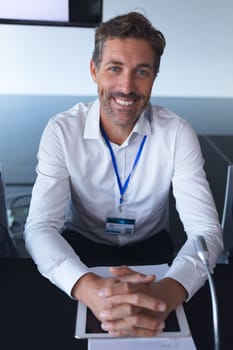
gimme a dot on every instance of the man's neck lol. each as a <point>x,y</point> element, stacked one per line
<point>117,134</point>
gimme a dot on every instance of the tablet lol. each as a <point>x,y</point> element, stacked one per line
<point>88,326</point>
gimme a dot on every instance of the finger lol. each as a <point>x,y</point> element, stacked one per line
<point>137,278</point>
<point>125,273</point>
<point>124,287</point>
<point>137,299</point>
<point>137,325</point>
<point>146,321</point>
<point>121,270</point>
<point>140,332</point>
<point>118,312</point>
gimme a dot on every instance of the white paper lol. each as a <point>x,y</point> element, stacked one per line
<point>171,343</point>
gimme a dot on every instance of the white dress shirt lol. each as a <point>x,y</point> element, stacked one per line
<point>76,187</point>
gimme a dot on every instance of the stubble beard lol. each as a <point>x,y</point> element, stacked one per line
<point>123,118</point>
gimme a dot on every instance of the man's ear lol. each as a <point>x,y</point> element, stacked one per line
<point>93,71</point>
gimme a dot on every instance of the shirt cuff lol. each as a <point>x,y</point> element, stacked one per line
<point>68,273</point>
<point>190,275</point>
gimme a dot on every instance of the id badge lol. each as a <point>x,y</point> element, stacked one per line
<point>123,224</point>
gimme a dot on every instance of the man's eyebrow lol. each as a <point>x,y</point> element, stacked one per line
<point>119,63</point>
<point>145,65</point>
<point>114,62</point>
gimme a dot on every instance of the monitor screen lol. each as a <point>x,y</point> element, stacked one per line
<point>76,13</point>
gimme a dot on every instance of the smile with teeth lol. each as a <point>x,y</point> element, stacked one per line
<point>123,102</point>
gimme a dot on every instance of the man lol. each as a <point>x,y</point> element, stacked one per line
<point>104,175</point>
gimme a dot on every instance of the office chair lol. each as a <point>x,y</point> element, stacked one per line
<point>227,219</point>
<point>7,246</point>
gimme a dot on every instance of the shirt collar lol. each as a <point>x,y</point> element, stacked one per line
<point>143,125</point>
<point>92,129</point>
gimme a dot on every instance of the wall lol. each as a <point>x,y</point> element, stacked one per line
<point>55,61</point>
<point>44,70</point>
<point>23,118</point>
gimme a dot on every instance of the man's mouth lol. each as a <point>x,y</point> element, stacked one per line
<point>124,102</point>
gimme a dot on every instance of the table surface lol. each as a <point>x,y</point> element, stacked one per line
<point>34,314</point>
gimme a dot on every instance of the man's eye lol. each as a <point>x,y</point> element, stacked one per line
<point>114,69</point>
<point>143,72</point>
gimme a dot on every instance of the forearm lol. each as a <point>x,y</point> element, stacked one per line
<point>171,292</point>
<point>84,286</point>
<point>187,268</point>
<point>55,258</point>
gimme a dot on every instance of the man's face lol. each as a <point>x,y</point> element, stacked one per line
<point>125,78</point>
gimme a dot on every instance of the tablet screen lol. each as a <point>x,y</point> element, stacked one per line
<point>93,325</point>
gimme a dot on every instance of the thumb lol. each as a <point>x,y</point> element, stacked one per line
<point>126,274</point>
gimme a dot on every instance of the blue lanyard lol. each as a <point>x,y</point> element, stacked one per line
<point>123,188</point>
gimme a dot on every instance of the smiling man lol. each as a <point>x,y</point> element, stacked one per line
<point>101,195</point>
<point>125,78</point>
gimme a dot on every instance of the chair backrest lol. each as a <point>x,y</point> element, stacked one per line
<point>227,216</point>
<point>7,246</point>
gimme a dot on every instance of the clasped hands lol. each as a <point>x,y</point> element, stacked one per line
<point>129,303</point>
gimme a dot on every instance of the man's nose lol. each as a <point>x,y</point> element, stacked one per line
<point>127,83</point>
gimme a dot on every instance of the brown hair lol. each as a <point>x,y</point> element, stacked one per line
<point>131,25</point>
